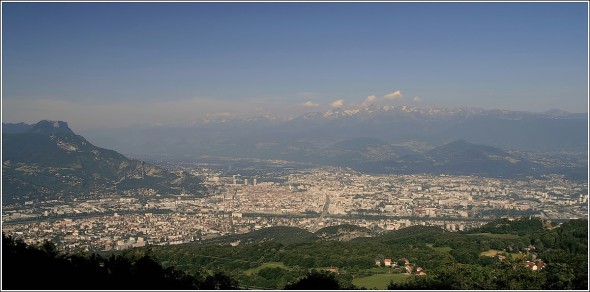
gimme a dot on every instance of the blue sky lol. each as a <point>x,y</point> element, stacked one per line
<point>118,64</point>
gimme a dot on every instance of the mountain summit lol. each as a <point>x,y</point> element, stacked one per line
<point>49,127</point>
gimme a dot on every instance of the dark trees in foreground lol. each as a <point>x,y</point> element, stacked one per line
<point>41,267</point>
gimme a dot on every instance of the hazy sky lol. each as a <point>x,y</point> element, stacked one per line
<point>117,64</point>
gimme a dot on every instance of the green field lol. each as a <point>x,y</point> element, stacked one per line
<point>379,281</point>
<point>265,265</point>
<point>490,253</point>
<point>493,253</point>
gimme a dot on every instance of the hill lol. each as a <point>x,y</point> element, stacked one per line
<point>461,158</point>
<point>359,144</point>
<point>278,234</point>
<point>273,264</point>
<point>513,226</point>
<point>450,260</point>
<point>343,232</point>
<point>48,159</point>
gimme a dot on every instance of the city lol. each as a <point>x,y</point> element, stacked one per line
<point>308,198</point>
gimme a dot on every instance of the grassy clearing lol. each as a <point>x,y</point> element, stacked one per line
<point>490,253</point>
<point>249,272</point>
<point>379,281</point>
<point>493,253</point>
<point>518,256</point>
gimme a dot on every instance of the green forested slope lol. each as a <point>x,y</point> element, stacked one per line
<point>491,257</point>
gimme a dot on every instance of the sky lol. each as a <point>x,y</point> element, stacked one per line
<point>108,65</point>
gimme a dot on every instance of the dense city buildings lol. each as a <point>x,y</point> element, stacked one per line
<point>309,198</point>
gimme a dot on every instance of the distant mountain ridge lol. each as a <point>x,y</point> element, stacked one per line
<point>276,138</point>
<point>464,158</point>
<point>379,139</point>
<point>49,159</point>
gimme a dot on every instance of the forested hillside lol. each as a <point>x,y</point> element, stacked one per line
<point>504,254</point>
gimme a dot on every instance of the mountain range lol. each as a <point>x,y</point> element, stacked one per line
<point>552,131</point>
<point>378,139</point>
<point>48,159</point>
<point>462,158</point>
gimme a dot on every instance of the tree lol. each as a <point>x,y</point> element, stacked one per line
<point>49,248</point>
<point>219,281</point>
<point>559,277</point>
<point>45,268</point>
<point>315,281</point>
